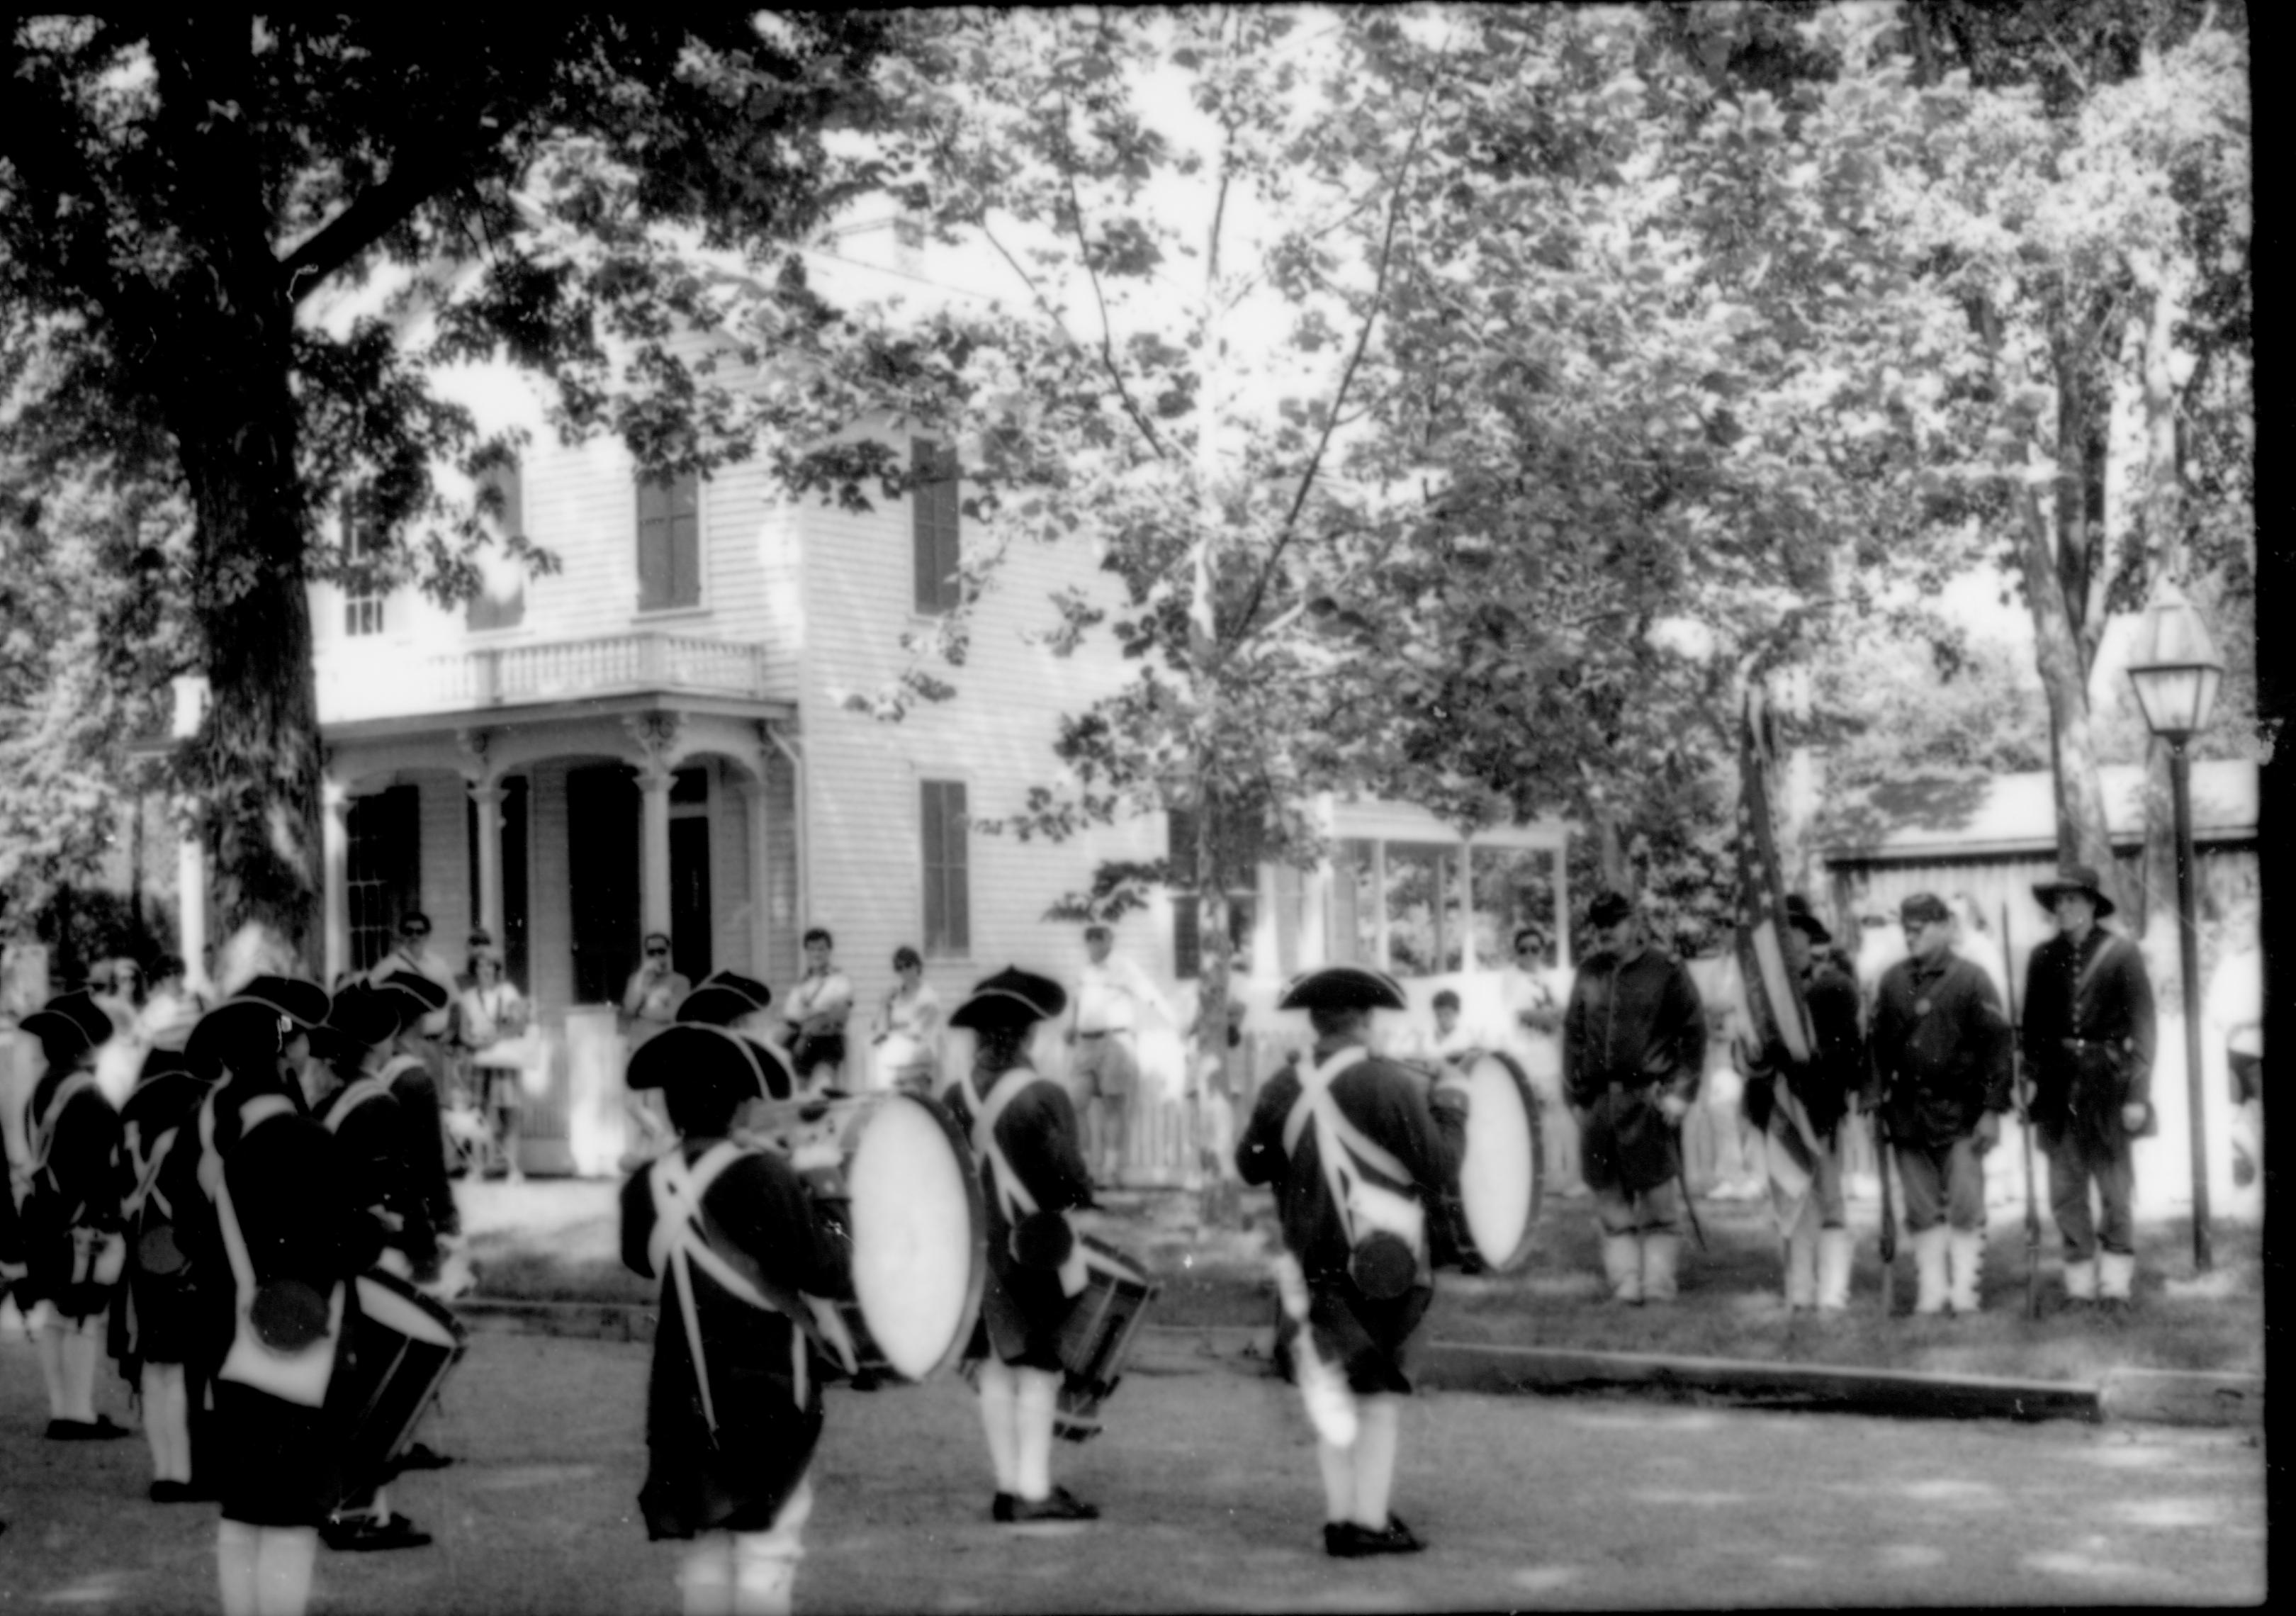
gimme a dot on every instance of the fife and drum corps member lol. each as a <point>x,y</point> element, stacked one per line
<point>1358,1151</point>
<point>1941,1077</point>
<point>2088,1041</point>
<point>1633,1049</point>
<point>1802,1129</point>
<point>1023,1129</point>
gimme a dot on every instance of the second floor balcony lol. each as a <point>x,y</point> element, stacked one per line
<point>357,683</point>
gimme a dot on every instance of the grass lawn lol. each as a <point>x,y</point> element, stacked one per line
<point>556,1241</point>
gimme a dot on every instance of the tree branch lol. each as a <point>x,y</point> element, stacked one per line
<point>1107,334</point>
<point>418,173</point>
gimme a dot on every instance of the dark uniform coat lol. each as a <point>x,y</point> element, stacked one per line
<point>1633,1033</point>
<point>2088,1033</point>
<point>1388,1104</point>
<point>291,1187</point>
<point>1824,1084</point>
<point>765,1373</point>
<point>1023,1308</point>
<point>374,1131</point>
<point>155,1318</point>
<point>75,1193</point>
<point>1940,1050</point>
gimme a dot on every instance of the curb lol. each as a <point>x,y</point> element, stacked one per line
<point>2158,1396</point>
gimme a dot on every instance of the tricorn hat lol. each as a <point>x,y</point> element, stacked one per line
<point>690,1052</point>
<point>2074,878</point>
<point>242,1035</point>
<point>432,995</point>
<point>1804,918</point>
<point>1343,987</point>
<point>362,1017</point>
<point>724,997</point>
<point>305,1004</point>
<point>1011,997</point>
<point>71,1017</point>
<point>1610,908</point>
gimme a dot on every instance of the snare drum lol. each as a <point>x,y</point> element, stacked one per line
<point>894,1171</point>
<point>1096,1337</point>
<point>396,1352</point>
<point>1487,1217</point>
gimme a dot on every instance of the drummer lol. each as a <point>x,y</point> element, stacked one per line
<point>1355,1281</point>
<point>155,1318</point>
<point>293,1239</point>
<point>344,1086</point>
<point>1032,1171</point>
<point>733,1405</point>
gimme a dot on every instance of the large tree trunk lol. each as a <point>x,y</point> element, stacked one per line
<point>2164,543</point>
<point>221,368</point>
<point>2081,832</point>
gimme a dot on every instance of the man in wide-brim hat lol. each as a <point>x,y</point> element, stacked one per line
<point>1633,1052</point>
<point>2088,1042</point>
<point>1358,1152</point>
<point>733,1402</point>
<point>1028,1150</point>
<point>73,1249</point>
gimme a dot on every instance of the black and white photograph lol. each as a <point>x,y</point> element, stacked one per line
<point>1441,807</point>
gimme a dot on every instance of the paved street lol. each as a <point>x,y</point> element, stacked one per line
<point>1212,1504</point>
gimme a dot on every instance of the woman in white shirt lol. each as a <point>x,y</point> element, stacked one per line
<point>907,1037</point>
<point>490,1015</point>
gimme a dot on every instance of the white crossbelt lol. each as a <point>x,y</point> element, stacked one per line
<point>1012,1194</point>
<point>1340,1143</point>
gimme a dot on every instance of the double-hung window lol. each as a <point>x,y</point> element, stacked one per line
<point>670,542</point>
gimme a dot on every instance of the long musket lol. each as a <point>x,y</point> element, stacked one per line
<point>1888,1243</point>
<point>2024,1130</point>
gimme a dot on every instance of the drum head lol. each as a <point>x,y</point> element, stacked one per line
<point>397,1307</point>
<point>920,1236</point>
<point>1499,1181</point>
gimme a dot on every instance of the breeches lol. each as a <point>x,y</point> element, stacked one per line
<point>2075,1160</point>
<point>1104,1067</point>
<point>1942,1182</point>
<point>1655,1211</point>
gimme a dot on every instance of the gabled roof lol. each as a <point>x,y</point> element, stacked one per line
<point>1924,820</point>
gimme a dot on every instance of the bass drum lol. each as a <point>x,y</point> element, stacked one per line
<point>1489,1215</point>
<point>895,1172</point>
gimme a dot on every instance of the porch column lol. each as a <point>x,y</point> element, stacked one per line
<point>487,799</point>
<point>1467,965</point>
<point>754,828</point>
<point>192,905</point>
<point>1563,902</point>
<point>334,882</point>
<point>654,840</point>
<point>1379,898</point>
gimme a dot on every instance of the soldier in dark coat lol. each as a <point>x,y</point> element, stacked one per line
<point>74,1250</point>
<point>155,1318</point>
<point>1802,1138</point>
<point>1633,1049</point>
<point>1025,1139</point>
<point>293,1240</point>
<point>1358,1150</point>
<point>2088,1040</point>
<point>733,1405</point>
<point>1942,1079</point>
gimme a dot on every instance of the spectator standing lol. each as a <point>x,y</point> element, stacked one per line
<point>1534,1012</point>
<point>817,1012</point>
<point>490,1019</point>
<point>650,1002</point>
<point>906,1035</point>
<point>1103,1028</point>
<point>2088,1042</point>
<point>1633,1049</point>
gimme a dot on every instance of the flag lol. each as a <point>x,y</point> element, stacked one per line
<point>1773,987</point>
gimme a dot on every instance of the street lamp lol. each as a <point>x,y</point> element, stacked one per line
<point>2176,671</point>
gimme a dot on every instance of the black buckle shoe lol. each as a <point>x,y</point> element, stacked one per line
<point>99,1430</point>
<point>421,1456</point>
<point>1062,1505</point>
<point>1000,1508</point>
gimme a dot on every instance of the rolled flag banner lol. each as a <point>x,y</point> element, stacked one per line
<point>1773,988</point>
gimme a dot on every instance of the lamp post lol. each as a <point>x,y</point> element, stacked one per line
<point>2176,671</point>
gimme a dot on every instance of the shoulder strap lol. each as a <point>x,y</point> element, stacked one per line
<point>351,1098</point>
<point>147,1170</point>
<point>1335,1134</point>
<point>986,1112</point>
<point>44,1135</point>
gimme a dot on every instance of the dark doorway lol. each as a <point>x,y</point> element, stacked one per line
<point>513,942</point>
<point>689,897</point>
<point>383,872</point>
<point>602,852</point>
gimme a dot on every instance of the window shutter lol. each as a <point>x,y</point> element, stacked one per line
<point>487,610</point>
<point>948,896</point>
<point>935,525</point>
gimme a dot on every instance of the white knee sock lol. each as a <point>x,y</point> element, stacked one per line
<point>284,1559</point>
<point>1338,1467</point>
<point>83,1344</point>
<point>1037,1399</point>
<point>1381,1418</point>
<point>705,1576</point>
<point>49,1342</point>
<point>998,1393</point>
<point>152,1386</point>
<point>765,1564</point>
<point>237,1543</point>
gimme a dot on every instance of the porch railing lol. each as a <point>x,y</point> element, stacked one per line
<point>361,682</point>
